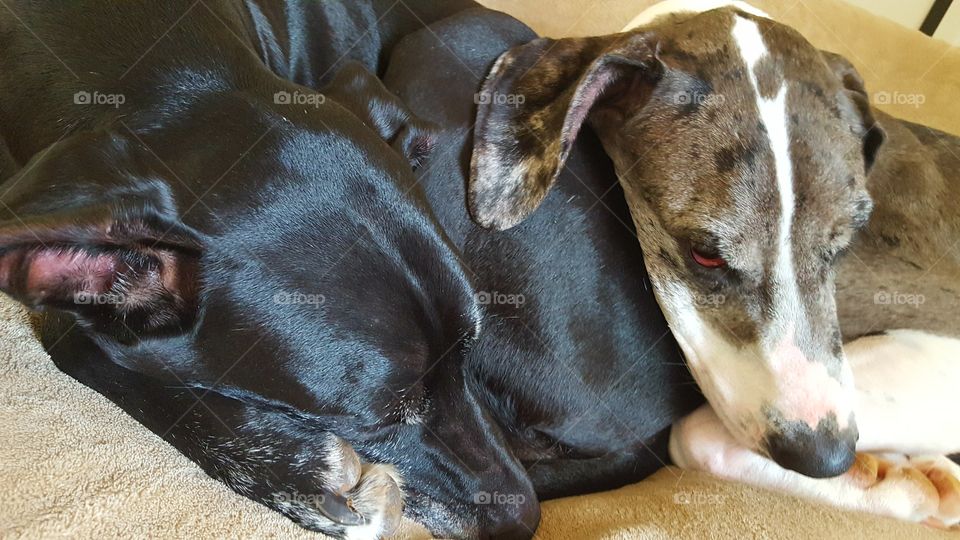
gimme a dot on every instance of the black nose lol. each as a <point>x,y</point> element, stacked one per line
<point>512,521</point>
<point>821,453</point>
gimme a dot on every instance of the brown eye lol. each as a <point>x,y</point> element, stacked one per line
<point>707,258</point>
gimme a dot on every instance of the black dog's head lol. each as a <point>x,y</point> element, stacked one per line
<point>245,245</point>
<point>276,251</point>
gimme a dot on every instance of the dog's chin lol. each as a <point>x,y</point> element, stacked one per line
<point>745,426</point>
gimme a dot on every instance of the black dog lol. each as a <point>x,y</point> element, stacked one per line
<point>255,272</point>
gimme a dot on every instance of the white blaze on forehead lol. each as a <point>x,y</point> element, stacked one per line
<point>668,7</point>
<point>773,115</point>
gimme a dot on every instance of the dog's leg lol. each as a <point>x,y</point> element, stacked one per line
<point>919,490</point>
<point>907,391</point>
<point>906,384</point>
<point>287,463</point>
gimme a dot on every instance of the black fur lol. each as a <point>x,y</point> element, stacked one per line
<point>320,285</point>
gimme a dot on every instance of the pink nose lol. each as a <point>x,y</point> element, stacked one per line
<point>806,391</point>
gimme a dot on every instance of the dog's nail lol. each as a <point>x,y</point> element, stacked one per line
<point>393,502</point>
<point>949,489</point>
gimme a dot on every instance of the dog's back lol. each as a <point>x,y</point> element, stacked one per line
<point>914,277</point>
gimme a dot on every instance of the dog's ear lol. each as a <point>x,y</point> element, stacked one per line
<point>871,132</point>
<point>531,107</point>
<point>122,273</point>
<point>363,94</point>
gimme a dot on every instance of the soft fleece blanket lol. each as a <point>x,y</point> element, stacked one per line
<point>74,465</point>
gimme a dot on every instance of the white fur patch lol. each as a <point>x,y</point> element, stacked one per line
<point>773,115</point>
<point>734,379</point>
<point>816,393</point>
<point>908,392</point>
<point>668,7</point>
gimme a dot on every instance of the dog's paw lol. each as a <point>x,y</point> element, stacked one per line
<point>353,500</point>
<point>378,498</point>
<point>923,489</point>
<point>944,474</point>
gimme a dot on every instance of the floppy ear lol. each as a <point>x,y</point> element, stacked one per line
<point>531,107</point>
<point>124,274</point>
<point>363,94</point>
<point>872,133</point>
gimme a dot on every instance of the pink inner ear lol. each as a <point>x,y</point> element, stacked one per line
<point>71,269</point>
<point>590,91</point>
<point>56,273</point>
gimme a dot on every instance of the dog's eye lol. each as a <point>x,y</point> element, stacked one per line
<point>707,258</point>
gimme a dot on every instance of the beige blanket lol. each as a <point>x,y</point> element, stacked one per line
<point>73,465</point>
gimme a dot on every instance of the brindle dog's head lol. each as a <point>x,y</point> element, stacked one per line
<point>743,152</point>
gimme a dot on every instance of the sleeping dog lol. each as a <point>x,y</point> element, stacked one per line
<point>284,283</point>
<point>254,270</point>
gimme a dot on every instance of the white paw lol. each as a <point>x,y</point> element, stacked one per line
<point>923,489</point>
